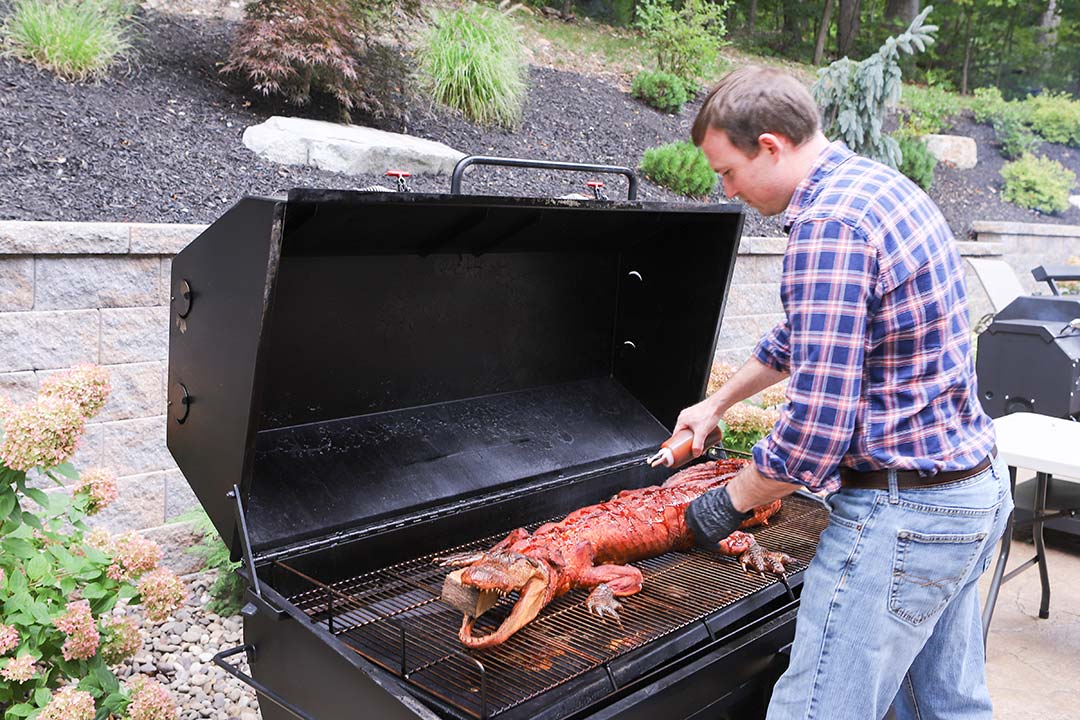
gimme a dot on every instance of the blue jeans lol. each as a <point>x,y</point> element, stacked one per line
<point>890,611</point>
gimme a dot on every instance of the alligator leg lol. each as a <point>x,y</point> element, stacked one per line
<point>611,581</point>
<point>752,555</point>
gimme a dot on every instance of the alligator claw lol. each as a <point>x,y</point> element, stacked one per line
<point>763,561</point>
<point>602,602</point>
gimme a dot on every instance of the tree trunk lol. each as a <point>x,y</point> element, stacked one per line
<point>823,32</point>
<point>902,10</point>
<point>1048,25</point>
<point>847,26</point>
<point>793,26</point>
<point>751,16</point>
<point>967,52</point>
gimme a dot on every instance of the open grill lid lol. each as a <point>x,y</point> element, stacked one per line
<point>355,360</point>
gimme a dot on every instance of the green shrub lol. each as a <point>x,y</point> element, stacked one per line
<point>988,102</point>
<point>1056,117</point>
<point>929,108</point>
<point>917,162</point>
<point>473,61</point>
<point>227,590</point>
<point>76,39</point>
<point>681,167</point>
<point>661,90</point>
<point>686,40</point>
<point>1037,183</point>
<point>1013,135</point>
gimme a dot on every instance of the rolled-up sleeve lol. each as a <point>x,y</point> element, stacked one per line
<point>830,273</point>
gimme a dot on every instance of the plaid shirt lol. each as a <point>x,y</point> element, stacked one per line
<point>876,339</point>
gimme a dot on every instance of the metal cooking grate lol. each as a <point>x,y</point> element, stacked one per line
<point>394,618</point>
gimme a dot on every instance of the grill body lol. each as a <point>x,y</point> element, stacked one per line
<point>360,382</point>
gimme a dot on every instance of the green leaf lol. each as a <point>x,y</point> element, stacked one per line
<point>41,613</point>
<point>42,696</point>
<point>17,547</point>
<point>38,567</point>
<point>104,678</point>
<point>67,470</point>
<point>19,711</point>
<point>32,520</point>
<point>94,591</point>
<point>38,496</point>
<point>8,500</point>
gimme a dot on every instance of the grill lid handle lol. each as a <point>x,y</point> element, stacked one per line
<point>465,162</point>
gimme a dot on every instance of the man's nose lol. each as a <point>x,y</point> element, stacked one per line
<point>729,189</point>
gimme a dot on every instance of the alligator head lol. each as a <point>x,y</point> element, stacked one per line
<point>506,572</point>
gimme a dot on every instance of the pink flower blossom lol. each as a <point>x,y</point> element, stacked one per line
<point>122,640</point>
<point>99,539</point>
<point>133,555</point>
<point>85,385</point>
<point>19,669</point>
<point>41,434</point>
<point>150,701</point>
<point>2,576</point>
<point>774,396</point>
<point>721,373</point>
<point>82,634</point>
<point>9,639</point>
<point>99,487</point>
<point>743,417</point>
<point>6,406</point>
<point>69,703</point>
<point>162,592</point>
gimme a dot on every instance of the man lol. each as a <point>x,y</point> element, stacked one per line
<point>882,412</point>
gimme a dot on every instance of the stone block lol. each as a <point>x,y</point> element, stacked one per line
<point>1074,200</point>
<point>753,299</point>
<point>179,498</point>
<point>42,340</point>
<point>18,387</point>
<point>757,269</point>
<point>165,289</point>
<point>96,282</point>
<point>19,237</point>
<point>741,331</point>
<point>131,335</point>
<point>162,238</point>
<point>735,356</point>
<point>137,391</point>
<point>969,248</point>
<point>958,151</point>
<point>175,540</point>
<point>140,504</point>
<point>16,283</point>
<point>135,447</point>
<point>350,149</point>
<point>768,245</point>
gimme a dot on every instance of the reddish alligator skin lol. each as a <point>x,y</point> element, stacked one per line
<point>591,546</point>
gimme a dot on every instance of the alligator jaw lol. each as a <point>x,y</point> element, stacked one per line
<point>534,596</point>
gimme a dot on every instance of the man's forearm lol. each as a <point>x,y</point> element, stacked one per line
<point>749,489</point>
<point>749,380</point>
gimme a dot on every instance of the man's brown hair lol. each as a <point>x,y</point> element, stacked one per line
<point>754,100</point>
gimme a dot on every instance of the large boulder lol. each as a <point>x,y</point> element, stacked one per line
<point>1075,200</point>
<point>347,149</point>
<point>956,150</point>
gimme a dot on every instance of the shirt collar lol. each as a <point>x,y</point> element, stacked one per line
<point>827,160</point>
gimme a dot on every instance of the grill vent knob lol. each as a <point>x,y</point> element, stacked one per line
<point>179,403</point>
<point>182,299</point>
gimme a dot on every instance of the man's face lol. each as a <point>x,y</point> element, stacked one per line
<point>758,180</point>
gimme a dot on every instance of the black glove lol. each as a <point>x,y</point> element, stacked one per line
<point>712,517</point>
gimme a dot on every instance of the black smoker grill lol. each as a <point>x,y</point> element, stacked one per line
<point>1029,361</point>
<point>360,382</point>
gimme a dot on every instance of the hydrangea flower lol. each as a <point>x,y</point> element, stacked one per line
<point>85,385</point>
<point>720,374</point>
<point>743,417</point>
<point>162,592</point>
<point>78,624</point>
<point>99,539</point>
<point>133,555</point>
<point>69,703</point>
<point>41,434</point>
<point>150,701</point>
<point>9,639</point>
<point>122,640</point>
<point>99,487</point>
<point>774,396</point>
<point>19,669</point>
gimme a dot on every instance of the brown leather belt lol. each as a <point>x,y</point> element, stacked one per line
<point>906,479</point>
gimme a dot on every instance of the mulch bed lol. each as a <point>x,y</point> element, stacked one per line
<point>159,140</point>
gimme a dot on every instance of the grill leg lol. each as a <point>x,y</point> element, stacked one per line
<point>1003,559</point>
<point>1040,545</point>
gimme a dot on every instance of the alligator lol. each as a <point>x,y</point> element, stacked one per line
<point>590,547</point>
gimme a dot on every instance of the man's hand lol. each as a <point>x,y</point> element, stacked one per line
<point>701,419</point>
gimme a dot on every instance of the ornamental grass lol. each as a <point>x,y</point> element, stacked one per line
<point>75,39</point>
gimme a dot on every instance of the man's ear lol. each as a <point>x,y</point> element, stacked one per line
<point>771,143</point>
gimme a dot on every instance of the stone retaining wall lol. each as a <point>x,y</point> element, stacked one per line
<point>1028,245</point>
<point>72,293</point>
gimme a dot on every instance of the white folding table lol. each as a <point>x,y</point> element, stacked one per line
<point>1051,447</point>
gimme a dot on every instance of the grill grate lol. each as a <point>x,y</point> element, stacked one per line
<point>394,618</point>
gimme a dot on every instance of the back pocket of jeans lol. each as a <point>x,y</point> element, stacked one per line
<point>928,570</point>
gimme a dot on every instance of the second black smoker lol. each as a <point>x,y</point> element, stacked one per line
<point>361,382</point>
